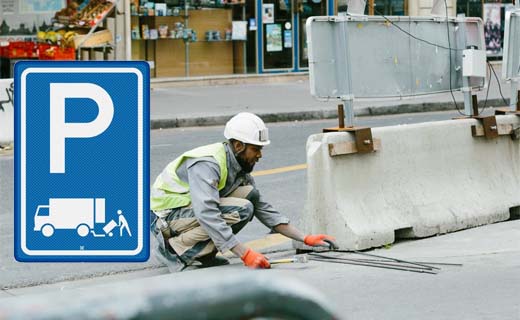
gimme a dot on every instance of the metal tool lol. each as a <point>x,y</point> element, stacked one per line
<point>295,259</point>
<point>332,244</point>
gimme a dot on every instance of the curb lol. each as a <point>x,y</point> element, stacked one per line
<point>237,79</point>
<point>318,115</point>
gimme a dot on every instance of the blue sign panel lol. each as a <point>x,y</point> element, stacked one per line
<point>81,161</point>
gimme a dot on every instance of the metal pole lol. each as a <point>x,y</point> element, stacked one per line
<point>128,30</point>
<point>460,35</point>
<point>341,116</point>
<point>244,47</point>
<point>514,92</point>
<point>186,41</point>
<point>349,111</point>
<point>466,90</point>
<point>513,100</point>
<point>348,100</point>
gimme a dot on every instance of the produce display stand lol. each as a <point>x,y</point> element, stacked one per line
<point>97,41</point>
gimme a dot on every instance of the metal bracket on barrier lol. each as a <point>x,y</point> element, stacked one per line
<point>473,109</point>
<point>502,130</point>
<point>363,141</point>
<point>502,111</point>
<point>489,127</point>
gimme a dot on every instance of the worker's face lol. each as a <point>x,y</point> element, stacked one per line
<point>247,155</point>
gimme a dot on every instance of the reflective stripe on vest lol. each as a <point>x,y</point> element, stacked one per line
<point>169,191</point>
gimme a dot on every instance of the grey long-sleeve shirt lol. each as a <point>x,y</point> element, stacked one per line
<point>203,175</point>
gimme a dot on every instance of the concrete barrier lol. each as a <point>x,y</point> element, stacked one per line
<point>6,111</point>
<point>427,179</point>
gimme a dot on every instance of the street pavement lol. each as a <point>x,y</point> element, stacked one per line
<point>485,287</point>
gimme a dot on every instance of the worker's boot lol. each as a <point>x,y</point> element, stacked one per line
<point>166,255</point>
<point>171,260</point>
<point>212,260</point>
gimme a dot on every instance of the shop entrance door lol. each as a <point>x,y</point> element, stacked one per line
<point>306,9</point>
<point>278,34</point>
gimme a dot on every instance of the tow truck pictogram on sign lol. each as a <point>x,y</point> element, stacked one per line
<point>81,215</point>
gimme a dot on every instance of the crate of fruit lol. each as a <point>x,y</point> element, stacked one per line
<point>21,50</point>
<point>51,52</point>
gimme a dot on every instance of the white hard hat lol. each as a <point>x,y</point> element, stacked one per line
<point>247,128</point>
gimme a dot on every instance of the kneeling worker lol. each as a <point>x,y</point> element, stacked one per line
<point>207,195</point>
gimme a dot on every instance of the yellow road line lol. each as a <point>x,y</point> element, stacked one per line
<point>279,170</point>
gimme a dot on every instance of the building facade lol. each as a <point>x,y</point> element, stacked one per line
<point>190,38</point>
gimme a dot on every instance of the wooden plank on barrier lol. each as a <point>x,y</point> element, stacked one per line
<point>349,147</point>
<point>503,130</point>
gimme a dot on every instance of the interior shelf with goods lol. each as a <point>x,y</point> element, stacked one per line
<point>72,30</point>
<point>83,29</point>
<point>181,39</point>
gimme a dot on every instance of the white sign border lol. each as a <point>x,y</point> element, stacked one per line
<point>23,213</point>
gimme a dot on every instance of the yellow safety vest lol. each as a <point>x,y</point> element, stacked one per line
<point>169,191</point>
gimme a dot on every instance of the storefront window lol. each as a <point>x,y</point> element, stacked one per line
<point>196,38</point>
<point>307,9</point>
<point>390,7</point>
<point>470,8</point>
<point>277,34</point>
<point>178,38</point>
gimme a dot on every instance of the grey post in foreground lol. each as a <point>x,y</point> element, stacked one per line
<point>231,295</point>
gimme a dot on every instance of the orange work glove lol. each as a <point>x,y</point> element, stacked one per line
<point>255,260</point>
<point>317,240</point>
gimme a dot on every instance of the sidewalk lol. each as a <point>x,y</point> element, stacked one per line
<point>484,286</point>
<point>283,98</point>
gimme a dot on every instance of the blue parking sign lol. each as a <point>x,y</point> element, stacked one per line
<point>81,161</point>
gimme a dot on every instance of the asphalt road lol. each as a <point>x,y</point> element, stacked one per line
<point>286,191</point>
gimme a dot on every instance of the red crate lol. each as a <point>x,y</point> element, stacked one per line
<point>66,54</point>
<point>21,49</point>
<point>51,52</point>
<point>4,50</point>
<point>47,51</point>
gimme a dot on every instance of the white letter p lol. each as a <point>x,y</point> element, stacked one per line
<point>60,130</point>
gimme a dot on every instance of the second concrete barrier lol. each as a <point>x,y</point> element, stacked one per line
<point>426,179</point>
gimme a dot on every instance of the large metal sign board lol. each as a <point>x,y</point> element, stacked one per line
<point>511,58</point>
<point>374,56</point>
<point>82,161</point>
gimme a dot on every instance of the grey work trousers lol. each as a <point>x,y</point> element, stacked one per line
<point>188,238</point>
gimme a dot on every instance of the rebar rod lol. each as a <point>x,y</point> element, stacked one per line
<point>373,265</point>
<point>385,263</point>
